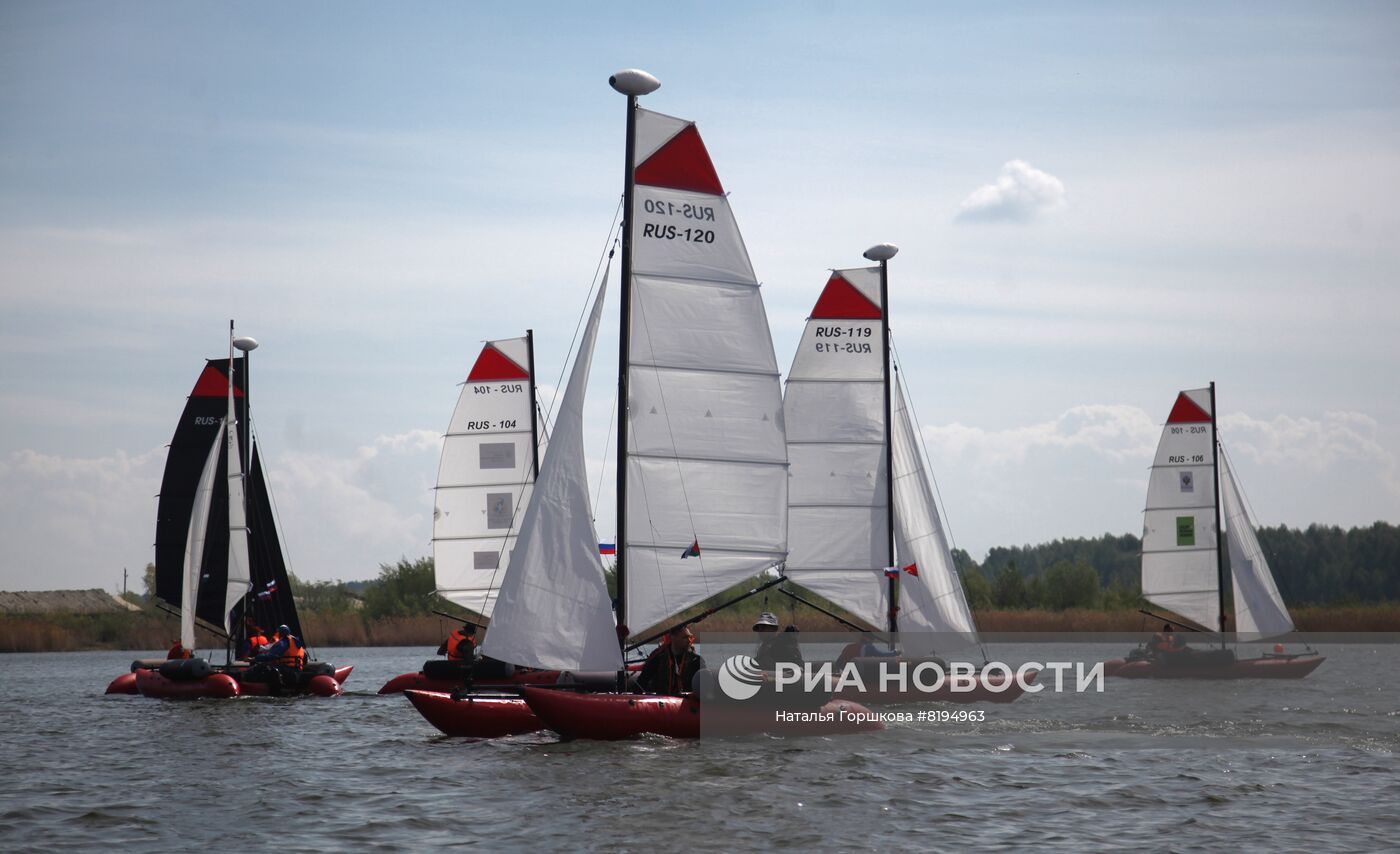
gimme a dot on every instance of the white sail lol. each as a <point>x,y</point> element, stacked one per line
<point>706,459</point>
<point>239,572</point>
<point>194,543</point>
<point>485,476</point>
<point>933,610</point>
<point>1259,610</point>
<point>838,527</point>
<point>1180,569</point>
<point>553,610</point>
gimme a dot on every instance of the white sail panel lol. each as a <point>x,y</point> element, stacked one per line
<point>1179,564</point>
<point>194,543</point>
<point>708,413</point>
<point>1259,609</point>
<point>677,322</point>
<point>240,579</point>
<point>484,477</point>
<point>706,460</point>
<point>837,475</point>
<point>833,411</point>
<point>553,610</point>
<point>933,609</point>
<point>737,500</point>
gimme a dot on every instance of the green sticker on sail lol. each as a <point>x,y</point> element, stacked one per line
<point>1186,530</point>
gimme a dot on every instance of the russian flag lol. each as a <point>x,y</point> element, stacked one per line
<point>266,594</point>
<point>607,548</point>
<point>891,572</point>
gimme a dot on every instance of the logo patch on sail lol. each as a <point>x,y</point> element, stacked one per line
<point>1188,482</point>
<point>1186,530</point>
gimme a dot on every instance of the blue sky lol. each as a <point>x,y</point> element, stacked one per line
<point>372,190</point>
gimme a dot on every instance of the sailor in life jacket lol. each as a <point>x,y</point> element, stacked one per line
<point>1166,642</point>
<point>461,644</point>
<point>672,667</point>
<point>177,650</point>
<point>255,640</point>
<point>285,651</point>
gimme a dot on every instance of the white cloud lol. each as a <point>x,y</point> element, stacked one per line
<point>74,522</point>
<point>1312,445</point>
<point>1020,194</point>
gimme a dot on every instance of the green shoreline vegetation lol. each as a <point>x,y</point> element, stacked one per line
<point>1332,580</point>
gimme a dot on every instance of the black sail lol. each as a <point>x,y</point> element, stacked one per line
<point>269,599</point>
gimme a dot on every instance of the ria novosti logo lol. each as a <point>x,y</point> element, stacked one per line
<point>741,678</point>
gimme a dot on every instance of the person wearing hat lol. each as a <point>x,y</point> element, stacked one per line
<point>775,647</point>
<point>461,644</point>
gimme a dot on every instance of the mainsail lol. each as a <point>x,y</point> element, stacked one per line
<point>1180,567</point>
<point>706,463</point>
<point>838,515</point>
<point>552,609</point>
<point>485,475</point>
<point>1259,609</point>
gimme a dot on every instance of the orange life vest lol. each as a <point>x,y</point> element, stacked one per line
<point>460,646</point>
<point>294,655</point>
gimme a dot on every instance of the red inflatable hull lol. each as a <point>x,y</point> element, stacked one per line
<point>123,684</point>
<point>475,717</point>
<point>617,716</point>
<point>316,685</point>
<point>218,685</point>
<point>419,682</point>
<point>1247,668</point>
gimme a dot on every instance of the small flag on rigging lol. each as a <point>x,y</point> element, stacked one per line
<point>607,548</point>
<point>693,551</point>
<point>266,593</point>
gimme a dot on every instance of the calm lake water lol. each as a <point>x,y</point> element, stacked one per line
<point>1148,765</point>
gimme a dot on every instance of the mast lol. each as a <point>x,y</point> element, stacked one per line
<point>882,253</point>
<point>534,417</point>
<point>244,429</point>
<point>1219,534</point>
<point>633,83</point>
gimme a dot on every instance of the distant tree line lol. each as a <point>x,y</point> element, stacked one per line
<point>1321,565</point>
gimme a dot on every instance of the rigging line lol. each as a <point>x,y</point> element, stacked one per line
<point>680,473</point>
<point>909,402</point>
<point>605,255</point>
<point>607,445</point>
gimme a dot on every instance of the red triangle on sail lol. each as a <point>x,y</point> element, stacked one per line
<point>681,164</point>
<point>841,301</point>
<point>1187,411</point>
<point>492,365</point>
<point>213,383</point>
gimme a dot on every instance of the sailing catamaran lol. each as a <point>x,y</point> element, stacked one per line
<point>490,456</point>
<point>218,559</point>
<point>702,468</point>
<point>1183,558</point>
<point>863,527</point>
